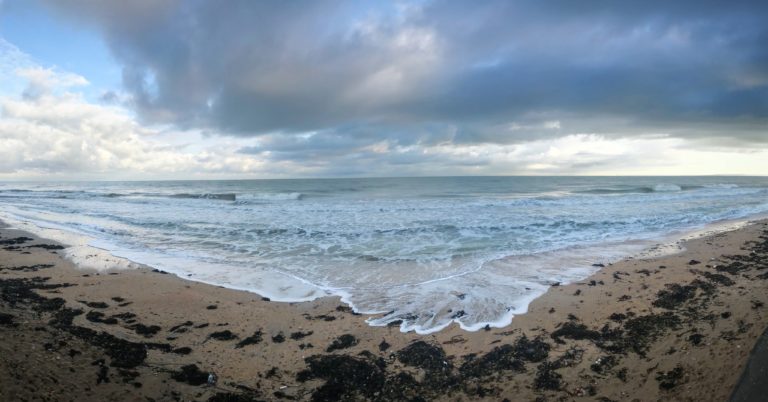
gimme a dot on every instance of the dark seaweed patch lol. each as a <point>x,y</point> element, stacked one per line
<point>342,342</point>
<point>670,379</point>
<point>674,296</point>
<point>570,358</point>
<point>547,378</point>
<point>232,397</point>
<point>47,246</point>
<point>618,317</point>
<point>640,332</point>
<point>345,377</point>
<point>98,317</point>
<point>180,327</point>
<point>695,338</point>
<point>146,331</point>
<point>96,304</point>
<point>718,278</point>
<point>191,375</point>
<point>572,330</point>
<point>300,335</point>
<point>7,319</point>
<point>16,240</point>
<point>225,335</point>
<point>499,358</point>
<point>423,355</point>
<point>251,340</point>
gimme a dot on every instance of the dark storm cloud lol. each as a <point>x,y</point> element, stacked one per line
<point>357,73</point>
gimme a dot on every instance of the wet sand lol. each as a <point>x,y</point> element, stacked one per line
<point>674,328</point>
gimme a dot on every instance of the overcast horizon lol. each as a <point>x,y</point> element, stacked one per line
<point>168,90</point>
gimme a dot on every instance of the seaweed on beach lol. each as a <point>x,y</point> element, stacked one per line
<point>146,331</point>
<point>22,291</point>
<point>532,350</point>
<point>674,295</point>
<point>225,335</point>
<point>342,342</point>
<point>190,374</point>
<point>251,340</point>
<point>346,377</point>
<point>15,241</point>
<point>670,379</point>
<point>638,333</point>
<point>96,304</point>
<point>575,331</point>
<point>47,246</point>
<point>7,319</point>
<point>28,268</point>
<point>570,358</point>
<point>499,359</point>
<point>718,278</point>
<point>604,364</point>
<point>122,353</point>
<point>298,335</point>
<point>547,378</point>
<point>232,397</point>
<point>98,317</point>
<point>634,335</point>
<point>423,355</point>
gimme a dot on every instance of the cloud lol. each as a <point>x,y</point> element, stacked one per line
<point>339,88</point>
<point>50,131</point>
<point>254,68</point>
<point>59,134</point>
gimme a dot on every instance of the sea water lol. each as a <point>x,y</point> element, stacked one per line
<point>424,251</point>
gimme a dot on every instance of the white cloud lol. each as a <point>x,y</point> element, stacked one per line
<point>50,131</point>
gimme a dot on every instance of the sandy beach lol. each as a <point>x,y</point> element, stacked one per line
<point>673,328</point>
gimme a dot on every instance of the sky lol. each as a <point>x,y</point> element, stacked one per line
<point>203,89</point>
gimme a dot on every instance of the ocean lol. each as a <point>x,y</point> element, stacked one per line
<point>423,251</point>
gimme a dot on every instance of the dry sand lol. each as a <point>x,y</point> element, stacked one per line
<point>677,328</point>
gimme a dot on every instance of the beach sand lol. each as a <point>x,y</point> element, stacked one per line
<point>672,328</point>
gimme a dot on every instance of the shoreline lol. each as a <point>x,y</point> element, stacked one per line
<point>572,342</point>
<point>654,247</point>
